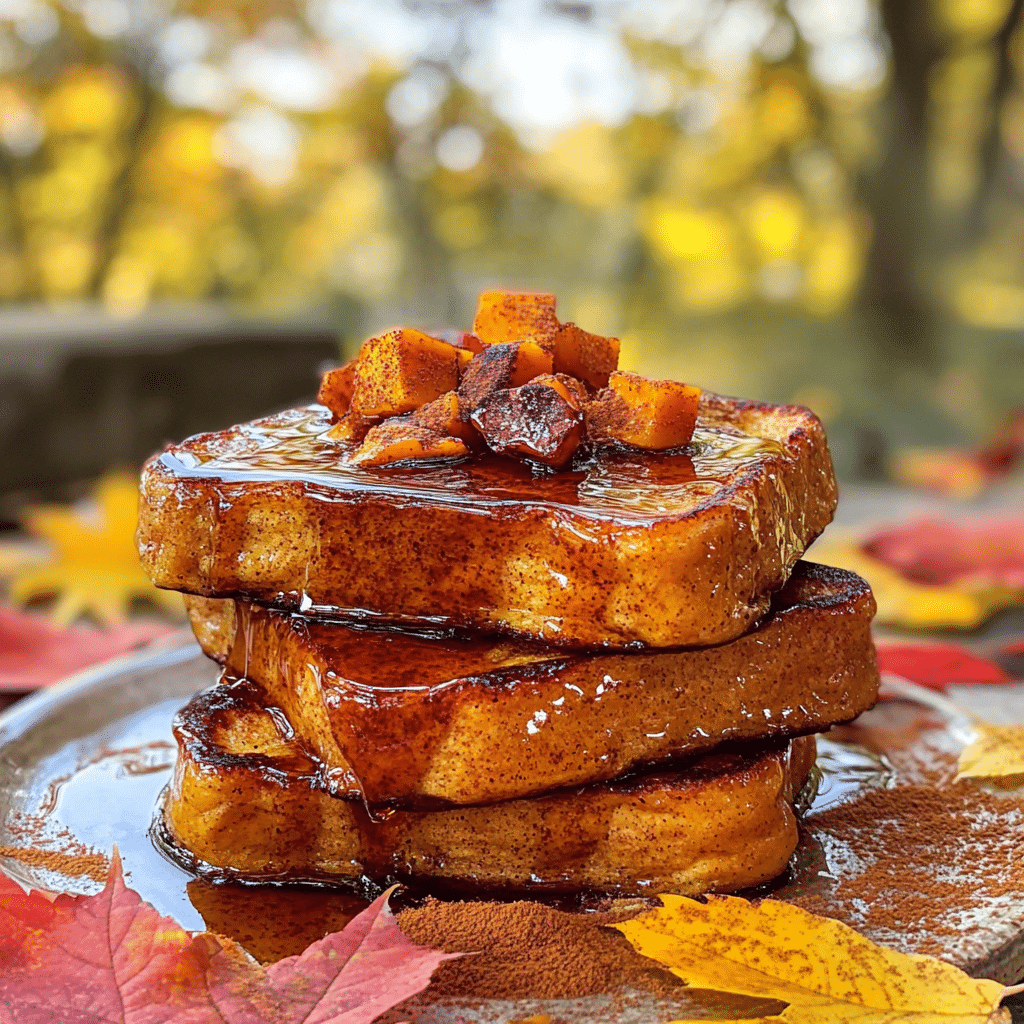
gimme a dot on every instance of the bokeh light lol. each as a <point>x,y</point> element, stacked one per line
<point>829,194</point>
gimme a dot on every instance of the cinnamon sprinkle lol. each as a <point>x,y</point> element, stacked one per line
<point>58,852</point>
<point>74,865</point>
<point>521,950</point>
<point>529,951</point>
<point>927,870</point>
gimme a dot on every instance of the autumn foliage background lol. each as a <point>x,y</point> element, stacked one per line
<point>807,200</point>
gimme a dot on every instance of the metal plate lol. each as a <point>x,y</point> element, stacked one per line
<point>83,762</point>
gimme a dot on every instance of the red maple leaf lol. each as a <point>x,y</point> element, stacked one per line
<point>34,652</point>
<point>938,665</point>
<point>113,958</point>
<point>935,551</point>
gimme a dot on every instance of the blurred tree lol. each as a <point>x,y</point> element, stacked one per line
<point>898,303</point>
<point>660,165</point>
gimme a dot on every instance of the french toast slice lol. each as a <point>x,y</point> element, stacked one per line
<point>627,548</point>
<point>248,801</point>
<point>423,720</point>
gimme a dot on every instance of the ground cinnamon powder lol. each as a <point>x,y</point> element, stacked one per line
<point>75,865</point>
<point>930,870</point>
<point>59,851</point>
<point>528,950</point>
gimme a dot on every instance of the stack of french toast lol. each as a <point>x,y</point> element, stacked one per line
<point>495,614</point>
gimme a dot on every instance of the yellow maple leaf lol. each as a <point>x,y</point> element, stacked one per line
<point>825,971</point>
<point>902,602</point>
<point>95,570</point>
<point>997,751</point>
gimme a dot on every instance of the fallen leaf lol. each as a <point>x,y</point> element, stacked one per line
<point>938,665</point>
<point>941,553</point>
<point>902,602</point>
<point>962,473</point>
<point>112,957</point>
<point>35,653</point>
<point>354,975</point>
<point>21,915</point>
<point>825,971</point>
<point>997,752</point>
<point>96,568</point>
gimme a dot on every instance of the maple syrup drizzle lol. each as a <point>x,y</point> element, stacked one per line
<point>152,757</point>
<point>603,483</point>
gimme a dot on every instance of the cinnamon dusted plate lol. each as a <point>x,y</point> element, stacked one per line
<point>890,844</point>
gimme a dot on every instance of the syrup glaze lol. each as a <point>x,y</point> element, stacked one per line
<point>602,482</point>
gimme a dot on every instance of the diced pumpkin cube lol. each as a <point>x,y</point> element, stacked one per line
<point>512,316</point>
<point>588,357</point>
<point>444,416</point>
<point>502,366</point>
<point>467,343</point>
<point>540,421</point>
<point>652,414</point>
<point>351,427</point>
<point>402,370</point>
<point>470,341</point>
<point>399,439</point>
<point>336,389</point>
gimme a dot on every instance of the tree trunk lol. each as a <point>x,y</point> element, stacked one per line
<point>896,301</point>
<point>991,149</point>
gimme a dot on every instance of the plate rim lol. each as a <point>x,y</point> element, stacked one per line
<point>29,711</point>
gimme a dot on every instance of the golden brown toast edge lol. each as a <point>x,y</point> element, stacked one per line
<point>248,803</point>
<point>544,718</point>
<point>700,576</point>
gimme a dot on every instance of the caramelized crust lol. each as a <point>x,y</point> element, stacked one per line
<point>418,720</point>
<point>247,801</point>
<point>629,549</point>
<point>541,421</point>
